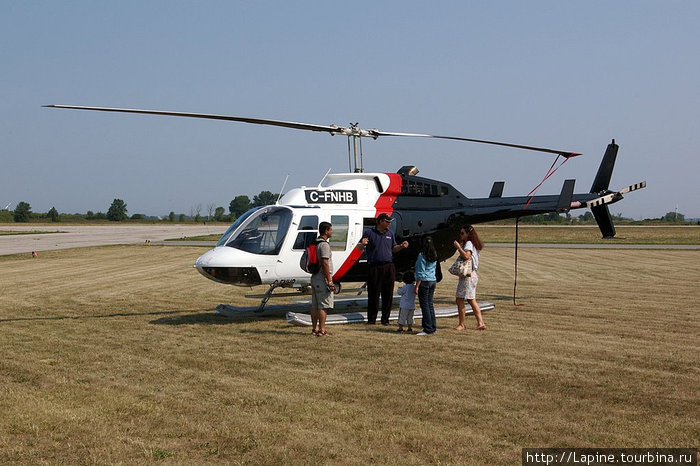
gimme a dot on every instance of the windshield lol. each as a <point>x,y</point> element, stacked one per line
<point>263,232</point>
<point>239,221</point>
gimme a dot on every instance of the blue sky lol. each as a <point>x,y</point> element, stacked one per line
<point>566,75</point>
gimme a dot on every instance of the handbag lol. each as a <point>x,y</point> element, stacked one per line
<point>461,268</point>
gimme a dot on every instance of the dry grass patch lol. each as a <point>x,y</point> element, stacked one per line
<point>590,234</point>
<point>115,355</point>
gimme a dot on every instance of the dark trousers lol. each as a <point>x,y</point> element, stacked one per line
<point>426,291</point>
<point>380,282</point>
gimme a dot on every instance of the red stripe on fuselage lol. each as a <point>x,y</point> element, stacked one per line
<point>384,205</point>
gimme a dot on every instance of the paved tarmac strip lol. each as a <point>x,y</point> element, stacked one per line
<point>80,236</point>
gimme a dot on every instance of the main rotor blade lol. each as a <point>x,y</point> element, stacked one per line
<point>259,121</point>
<point>566,154</point>
<point>353,130</point>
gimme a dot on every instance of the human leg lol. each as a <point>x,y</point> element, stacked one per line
<point>424,298</point>
<point>462,312</point>
<point>431,306</point>
<point>480,325</point>
<point>314,321</point>
<point>372,294</point>
<point>471,299</point>
<point>387,291</point>
<point>403,318</point>
<point>322,322</point>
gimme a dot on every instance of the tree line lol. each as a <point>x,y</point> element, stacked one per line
<point>118,212</point>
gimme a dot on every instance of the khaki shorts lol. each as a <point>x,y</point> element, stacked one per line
<point>321,298</point>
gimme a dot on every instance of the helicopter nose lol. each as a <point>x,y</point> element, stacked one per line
<point>220,265</point>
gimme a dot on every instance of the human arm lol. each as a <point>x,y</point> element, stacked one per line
<point>362,244</point>
<point>463,253</point>
<point>399,247</point>
<point>415,288</point>
<point>326,268</point>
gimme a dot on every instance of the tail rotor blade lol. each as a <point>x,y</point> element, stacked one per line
<point>601,200</point>
<point>633,187</point>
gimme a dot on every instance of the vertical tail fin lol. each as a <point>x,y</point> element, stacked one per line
<point>604,221</point>
<point>601,184</point>
<point>602,178</point>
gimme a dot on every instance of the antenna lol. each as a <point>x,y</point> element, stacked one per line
<point>282,190</point>
<point>324,177</point>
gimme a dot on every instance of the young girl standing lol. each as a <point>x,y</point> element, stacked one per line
<point>407,306</point>
<point>425,284</point>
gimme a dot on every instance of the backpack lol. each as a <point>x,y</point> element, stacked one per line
<point>309,261</point>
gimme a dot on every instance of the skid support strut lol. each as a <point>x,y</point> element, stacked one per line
<point>268,293</point>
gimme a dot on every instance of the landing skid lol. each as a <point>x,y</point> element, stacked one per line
<point>360,317</point>
<point>286,284</point>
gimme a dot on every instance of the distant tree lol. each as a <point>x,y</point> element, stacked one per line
<point>181,218</point>
<point>117,211</point>
<point>673,217</point>
<point>22,212</point>
<point>100,216</point>
<point>210,210</point>
<point>90,215</point>
<point>219,214</point>
<point>171,216</point>
<point>239,205</point>
<point>53,215</point>
<point>264,198</point>
<point>587,217</point>
<point>196,211</point>
<point>137,217</point>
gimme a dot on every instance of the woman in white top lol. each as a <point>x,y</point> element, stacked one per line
<point>468,247</point>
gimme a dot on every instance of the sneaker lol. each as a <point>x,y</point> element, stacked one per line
<point>399,330</point>
<point>420,334</point>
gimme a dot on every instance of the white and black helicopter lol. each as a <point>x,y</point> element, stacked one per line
<point>264,245</point>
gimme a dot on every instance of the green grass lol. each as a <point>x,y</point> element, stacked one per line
<point>115,355</point>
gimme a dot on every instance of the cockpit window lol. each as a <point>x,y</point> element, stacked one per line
<point>263,232</point>
<point>239,221</point>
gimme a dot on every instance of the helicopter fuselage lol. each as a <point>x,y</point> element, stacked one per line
<point>265,244</point>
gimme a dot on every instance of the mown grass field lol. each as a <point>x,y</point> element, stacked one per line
<point>115,355</point>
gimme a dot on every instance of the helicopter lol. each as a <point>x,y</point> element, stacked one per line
<point>264,245</point>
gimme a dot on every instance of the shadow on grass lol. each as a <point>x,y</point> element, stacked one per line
<point>90,316</point>
<point>212,318</point>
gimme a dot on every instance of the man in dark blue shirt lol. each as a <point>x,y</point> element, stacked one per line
<point>380,245</point>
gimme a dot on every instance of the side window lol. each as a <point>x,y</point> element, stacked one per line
<point>308,231</point>
<point>339,240</point>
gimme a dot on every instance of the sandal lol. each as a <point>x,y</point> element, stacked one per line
<point>314,332</point>
<point>481,327</point>
<point>323,334</point>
